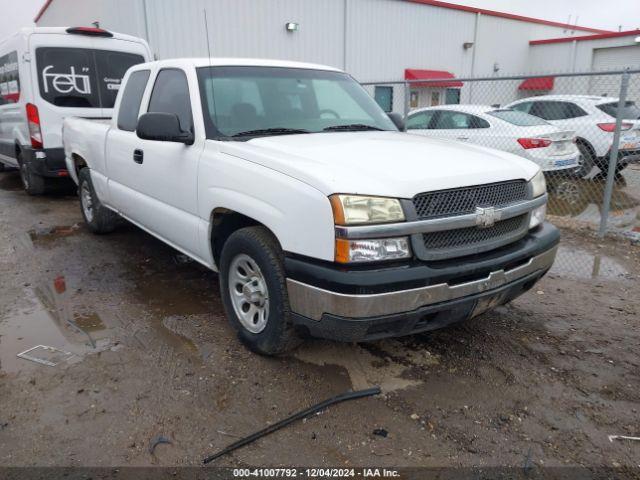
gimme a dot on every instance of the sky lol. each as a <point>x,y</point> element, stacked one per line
<point>607,14</point>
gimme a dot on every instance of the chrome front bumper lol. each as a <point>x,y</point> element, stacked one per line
<point>313,302</point>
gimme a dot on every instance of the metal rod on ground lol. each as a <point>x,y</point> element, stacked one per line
<point>613,156</point>
<point>297,416</point>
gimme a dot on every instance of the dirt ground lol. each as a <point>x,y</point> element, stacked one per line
<point>542,381</point>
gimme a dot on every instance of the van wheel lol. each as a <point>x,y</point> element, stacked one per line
<point>33,183</point>
<point>98,218</point>
<point>2,167</point>
<point>254,291</point>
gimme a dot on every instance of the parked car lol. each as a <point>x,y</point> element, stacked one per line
<point>593,119</point>
<point>320,216</point>
<point>503,129</point>
<point>47,74</point>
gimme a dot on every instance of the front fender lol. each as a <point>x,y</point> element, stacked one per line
<point>297,214</point>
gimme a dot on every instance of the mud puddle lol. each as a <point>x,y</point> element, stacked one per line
<point>575,262</point>
<point>385,363</point>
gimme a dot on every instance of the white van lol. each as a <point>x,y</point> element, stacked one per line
<point>47,74</point>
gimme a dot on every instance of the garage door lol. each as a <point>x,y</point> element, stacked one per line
<point>616,58</point>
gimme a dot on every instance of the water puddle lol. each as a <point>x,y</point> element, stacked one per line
<point>576,262</point>
<point>48,322</point>
<point>386,367</point>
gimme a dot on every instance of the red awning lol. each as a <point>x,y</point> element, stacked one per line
<point>541,83</point>
<point>414,74</point>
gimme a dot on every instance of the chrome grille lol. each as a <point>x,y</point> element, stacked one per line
<point>474,236</point>
<point>460,201</point>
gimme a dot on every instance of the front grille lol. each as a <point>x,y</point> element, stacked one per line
<point>473,236</point>
<point>461,201</point>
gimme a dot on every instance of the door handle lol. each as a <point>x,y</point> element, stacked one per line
<point>138,156</point>
<point>462,138</point>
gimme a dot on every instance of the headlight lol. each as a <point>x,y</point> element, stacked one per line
<point>358,209</point>
<point>377,250</point>
<point>537,216</point>
<point>538,184</point>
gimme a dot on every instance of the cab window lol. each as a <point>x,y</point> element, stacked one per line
<point>171,95</point>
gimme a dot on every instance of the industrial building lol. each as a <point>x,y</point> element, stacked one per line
<point>374,40</point>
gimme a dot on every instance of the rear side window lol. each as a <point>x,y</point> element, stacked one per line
<point>81,77</point>
<point>630,111</point>
<point>171,95</point>
<point>420,120</point>
<point>451,120</point>
<point>556,110</point>
<point>9,79</point>
<point>520,119</point>
<point>131,99</point>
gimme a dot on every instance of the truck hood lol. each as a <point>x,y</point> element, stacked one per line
<point>392,164</point>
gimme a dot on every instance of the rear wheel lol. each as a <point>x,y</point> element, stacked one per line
<point>33,183</point>
<point>2,167</point>
<point>588,160</point>
<point>254,291</point>
<point>98,218</point>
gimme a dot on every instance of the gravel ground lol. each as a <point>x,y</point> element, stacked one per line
<point>541,382</point>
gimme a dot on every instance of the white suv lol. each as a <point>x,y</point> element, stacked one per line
<point>593,119</point>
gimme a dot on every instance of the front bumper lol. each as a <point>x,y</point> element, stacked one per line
<point>46,162</point>
<point>366,304</point>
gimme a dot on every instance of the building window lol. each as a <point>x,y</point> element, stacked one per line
<point>413,99</point>
<point>452,96</point>
<point>435,99</point>
<point>384,97</point>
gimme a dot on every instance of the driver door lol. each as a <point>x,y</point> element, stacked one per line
<point>166,202</point>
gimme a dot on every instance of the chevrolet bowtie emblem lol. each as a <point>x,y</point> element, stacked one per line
<point>486,216</point>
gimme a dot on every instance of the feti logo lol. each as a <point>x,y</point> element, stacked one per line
<point>66,82</point>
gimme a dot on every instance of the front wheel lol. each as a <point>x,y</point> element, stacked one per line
<point>98,218</point>
<point>254,291</point>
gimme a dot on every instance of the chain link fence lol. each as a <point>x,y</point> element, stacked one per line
<point>583,130</point>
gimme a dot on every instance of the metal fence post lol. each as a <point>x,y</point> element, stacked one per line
<point>613,155</point>
<point>407,99</point>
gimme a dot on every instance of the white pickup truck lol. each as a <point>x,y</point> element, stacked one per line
<point>321,216</point>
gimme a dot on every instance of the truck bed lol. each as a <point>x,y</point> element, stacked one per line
<point>86,138</point>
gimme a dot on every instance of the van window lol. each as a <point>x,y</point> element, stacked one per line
<point>131,99</point>
<point>80,77</point>
<point>9,79</point>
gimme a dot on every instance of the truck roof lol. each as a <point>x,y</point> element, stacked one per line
<point>249,62</point>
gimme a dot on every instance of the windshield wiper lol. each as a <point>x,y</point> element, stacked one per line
<point>270,131</point>
<point>352,127</point>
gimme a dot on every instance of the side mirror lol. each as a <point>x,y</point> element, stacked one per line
<point>397,120</point>
<point>163,127</point>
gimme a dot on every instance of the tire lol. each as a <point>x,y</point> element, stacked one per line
<point>98,218</point>
<point>33,183</point>
<point>259,311</point>
<point>588,160</point>
<point>3,167</point>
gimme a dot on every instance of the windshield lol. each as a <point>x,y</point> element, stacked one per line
<point>515,117</point>
<point>81,77</point>
<point>247,101</point>
<point>630,111</point>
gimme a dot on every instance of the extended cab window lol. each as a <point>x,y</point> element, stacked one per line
<point>131,99</point>
<point>171,95</point>
<point>81,77</point>
<point>245,101</point>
